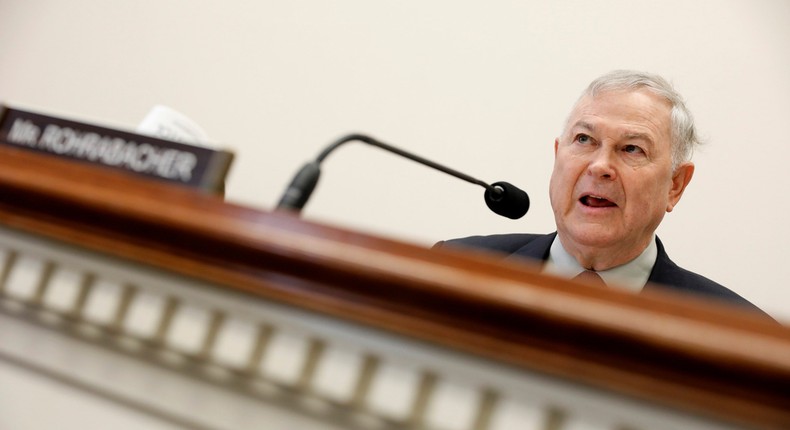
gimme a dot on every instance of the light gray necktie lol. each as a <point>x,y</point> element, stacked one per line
<point>591,278</point>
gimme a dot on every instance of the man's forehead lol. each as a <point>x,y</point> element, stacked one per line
<point>640,108</point>
<point>630,97</point>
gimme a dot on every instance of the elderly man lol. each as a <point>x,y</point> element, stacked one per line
<point>621,163</point>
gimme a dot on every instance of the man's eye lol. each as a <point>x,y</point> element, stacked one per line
<point>633,149</point>
<point>583,138</point>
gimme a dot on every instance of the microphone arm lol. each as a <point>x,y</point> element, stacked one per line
<point>501,197</point>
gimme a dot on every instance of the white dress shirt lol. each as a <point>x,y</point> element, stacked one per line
<point>631,276</point>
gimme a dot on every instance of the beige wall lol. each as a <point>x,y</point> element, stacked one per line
<point>481,86</point>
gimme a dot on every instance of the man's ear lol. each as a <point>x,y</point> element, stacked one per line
<point>680,179</point>
<point>556,144</point>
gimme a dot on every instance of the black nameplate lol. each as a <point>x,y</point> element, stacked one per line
<point>166,160</point>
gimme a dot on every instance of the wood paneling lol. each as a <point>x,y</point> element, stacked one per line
<point>678,351</point>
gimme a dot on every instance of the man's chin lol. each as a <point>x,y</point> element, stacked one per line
<point>591,238</point>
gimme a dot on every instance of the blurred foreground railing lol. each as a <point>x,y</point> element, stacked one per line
<point>159,304</point>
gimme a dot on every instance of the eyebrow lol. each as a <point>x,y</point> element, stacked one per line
<point>627,135</point>
<point>638,136</point>
<point>583,124</point>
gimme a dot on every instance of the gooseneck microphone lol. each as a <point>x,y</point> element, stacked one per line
<point>501,197</point>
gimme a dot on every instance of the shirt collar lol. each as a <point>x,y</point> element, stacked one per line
<point>630,276</point>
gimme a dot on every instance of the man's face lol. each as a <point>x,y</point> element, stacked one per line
<point>613,181</point>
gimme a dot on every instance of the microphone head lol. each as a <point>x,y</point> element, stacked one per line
<point>510,201</point>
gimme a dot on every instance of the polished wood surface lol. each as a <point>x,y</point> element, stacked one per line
<point>678,351</point>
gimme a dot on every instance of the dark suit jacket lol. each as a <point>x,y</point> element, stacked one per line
<point>665,274</point>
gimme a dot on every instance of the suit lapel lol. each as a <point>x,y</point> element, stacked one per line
<point>664,271</point>
<point>536,249</point>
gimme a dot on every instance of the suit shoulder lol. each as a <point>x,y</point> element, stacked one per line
<point>675,277</point>
<point>503,243</point>
<point>686,279</point>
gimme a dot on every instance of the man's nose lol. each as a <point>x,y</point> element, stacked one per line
<point>602,164</point>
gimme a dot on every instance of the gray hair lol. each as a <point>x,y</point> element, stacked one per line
<point>684,132</point>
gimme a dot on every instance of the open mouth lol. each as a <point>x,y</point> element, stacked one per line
<point>594,201</point>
